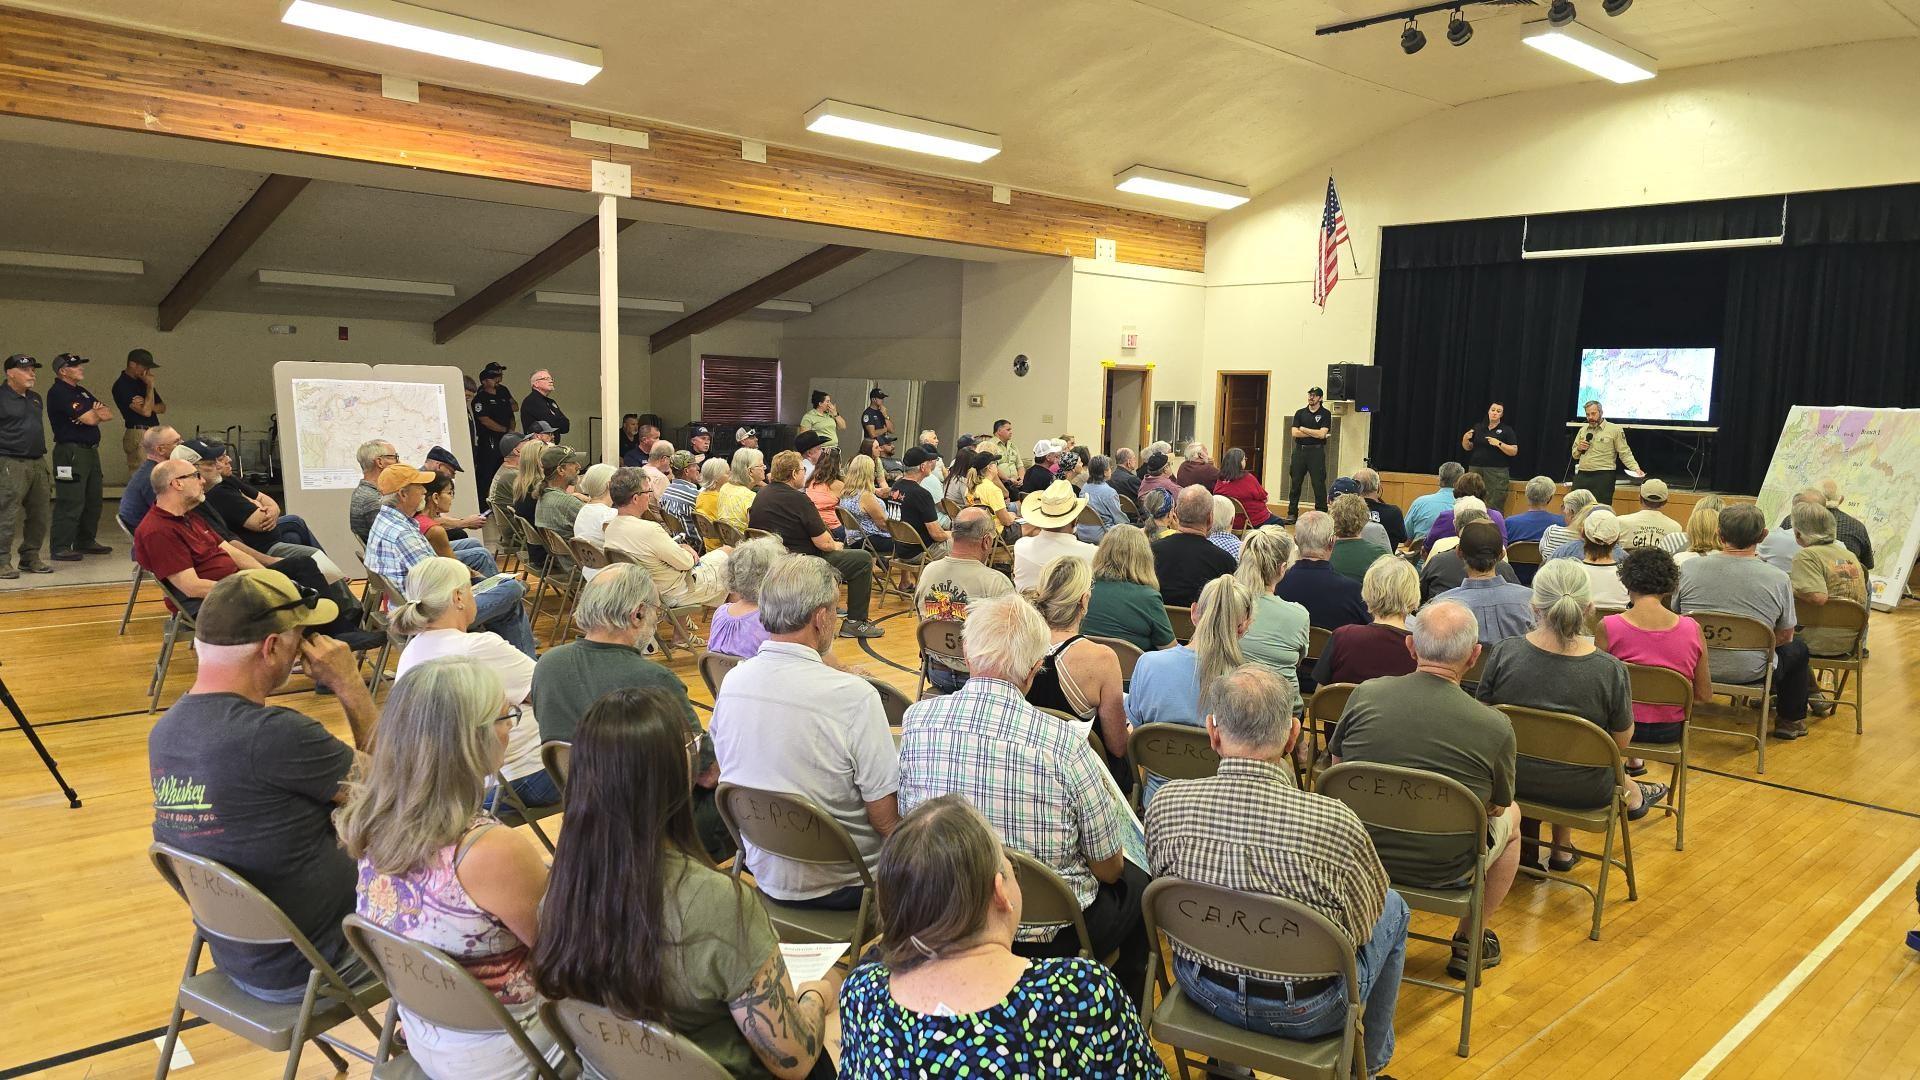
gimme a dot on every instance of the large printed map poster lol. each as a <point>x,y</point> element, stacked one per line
<point>332,417</point>
<point>1874,455</point>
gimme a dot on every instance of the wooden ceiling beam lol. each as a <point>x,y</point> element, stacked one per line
<point>740,301</point>
<point>521,280</point>
<point>274,195</point>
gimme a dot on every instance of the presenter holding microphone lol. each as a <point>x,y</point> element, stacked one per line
<point>1599,450</point>
<point>1490,448</point>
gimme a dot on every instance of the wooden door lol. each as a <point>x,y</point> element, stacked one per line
<point>1243,418</point>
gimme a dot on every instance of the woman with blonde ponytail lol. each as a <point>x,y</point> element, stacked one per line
<point>1557,668</point>
<point>1277,638</point>
<point>1167,685</point>
<point>1078,677</point>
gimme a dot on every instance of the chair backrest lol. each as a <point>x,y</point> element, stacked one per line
<point>557,757</point>
<point>1524,553</point>
<point>1173,751</point>
<point>224,904</point>
<point>619,555</point>
<point>1089,516</point>
<point>1126,652</point>
<point>553,541</point>
<point>1738,632</point>
<point>623,1049</point>
<point>1472,674</point>
<point>942,638</point>
<point>702,526</point>
<point>528,534</point>
<point>856,533</point>
<point>587,553</point>
<point>728,533</point>
<point>1182,620</point>
<point>1660,686</point>
<point>1127,504</point>
<point>905,539</point>
<point>1239,510</point>
<point>1268,934</point>
<point>1421,811</point>
<point>1046,899</point>
<point>755,534</point>
<point>894,700</point>
<point>1849,616</point>
<point>950,508</point>
<point>714,667</point>
<point>786,825</point>
<point>1328,702</point>
<point>675,527</point>
<point>1563,738</point>
<point>1317,638</point>
<point>182,603</point>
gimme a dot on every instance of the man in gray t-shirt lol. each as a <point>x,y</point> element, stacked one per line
<point>1735,580</point>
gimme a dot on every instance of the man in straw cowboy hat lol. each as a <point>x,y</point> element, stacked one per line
<point>1051,514</point>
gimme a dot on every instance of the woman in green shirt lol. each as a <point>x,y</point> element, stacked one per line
<point>1126,600</point>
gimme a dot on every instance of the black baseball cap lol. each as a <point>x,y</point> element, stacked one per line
<point>967,442</point>
<point>208,449</point>
<point>1314,391</point>
<point>141,357</point>
<point>67,359</point>
<point>1480,539</point>
<point>510,441</point>
<point>918,456</point>
<point>887,440</point>
<point>698,430</point>
<point>444,457</point>
<point>541,427</point>
<point>876,392</point>
<point>22,360</point>
<point>493,370</point>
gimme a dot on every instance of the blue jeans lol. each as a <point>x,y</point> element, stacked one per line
<point>534,789</point>
<point>475,555</point>
<point>943,678</point>
<point>500,609</point>
<point>1380,962</point>
<point>292,529</point>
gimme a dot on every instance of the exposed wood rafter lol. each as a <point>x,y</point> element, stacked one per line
<point>796,273</point>
<point>275,194</point>
<point>521,280</point>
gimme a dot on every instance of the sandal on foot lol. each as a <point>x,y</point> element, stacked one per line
<point>1649,794</point>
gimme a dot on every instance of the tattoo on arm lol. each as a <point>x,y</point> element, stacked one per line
<point>783,1032</point>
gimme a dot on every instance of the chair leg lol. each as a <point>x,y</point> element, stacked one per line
<point>379,668</point>
<point>297,1041</point>
<point>166,1044</point>
<point>1606,865</point>
<point>133,595</point>
<point>162,662</point>
<point>1626,856</point>
<point>1680,805</point>
<point>1860,700</point>
<point>1475,948</point>
<point>339,1063</point>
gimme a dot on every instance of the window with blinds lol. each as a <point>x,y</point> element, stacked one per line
<point>739,389</point>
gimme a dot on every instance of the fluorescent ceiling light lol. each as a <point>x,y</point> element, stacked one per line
<point>901,132</point>
<point>799,307</point>
<point>1161,184</point>
<point>79,264</point>
<point>387,22</point>
<point>591,300</point>
<point>1587,48</point>
<point>302,280</point>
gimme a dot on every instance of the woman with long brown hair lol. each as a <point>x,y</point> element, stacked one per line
<point>638,921</point>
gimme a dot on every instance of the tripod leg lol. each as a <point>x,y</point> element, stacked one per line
<point>6,698</point>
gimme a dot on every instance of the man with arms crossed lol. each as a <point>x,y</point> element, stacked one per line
<point>1312,426</point>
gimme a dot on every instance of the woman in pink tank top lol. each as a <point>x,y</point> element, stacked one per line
<point>1649,634</point>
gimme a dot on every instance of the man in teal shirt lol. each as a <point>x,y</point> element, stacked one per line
<point>1427,508</point>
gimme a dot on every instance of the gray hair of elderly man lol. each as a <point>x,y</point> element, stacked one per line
<point>662,450</point>
<point>1194,507</point>
<point>1446,633</point>
<point>794,589</point>
<point>1313,532</point>
<point>609,602</point>
<point>1251,707</point>
<point>1004,638</point>
<point>371,451</point>
<point>1368,480</point>
<point>972,525</point>
<point>1450,473</point>
<point>1540,491</point>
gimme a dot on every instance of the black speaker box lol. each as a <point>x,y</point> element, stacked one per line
<point>1358,383</point>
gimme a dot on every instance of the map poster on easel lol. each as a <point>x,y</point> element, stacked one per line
<point>333,416</point>
<point>1874,457</point>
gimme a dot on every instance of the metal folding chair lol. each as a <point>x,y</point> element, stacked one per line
<point>1564,739</point>
<point>139,573</point>
<point>1839,614</point>
<point>792,827</point>
<point>1726,633</point>
<point>618,1048</point>
<point>182,618</point>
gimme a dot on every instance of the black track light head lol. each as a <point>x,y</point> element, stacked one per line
<point>1616,7</point>
<point>1459,30</point>
<point>1561,13</point>
<point>1411,39</point>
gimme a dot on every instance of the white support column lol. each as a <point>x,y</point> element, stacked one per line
<point>609,330</point>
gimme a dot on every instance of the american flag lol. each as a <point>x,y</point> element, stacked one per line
<point>1333,233</point>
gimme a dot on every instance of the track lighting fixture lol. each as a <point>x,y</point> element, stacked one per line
<point>1411,39</point>
<point>1616,7</point>
<point>1561,13</point>
<point>1459,30</point>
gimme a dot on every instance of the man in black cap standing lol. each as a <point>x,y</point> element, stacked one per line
<point>140,404</point>
<point>492,417</point>
<point>76,416</point>
<point>1311,428</point>
<point>538,407</point>
<point>25,481</point>
<point>875,421</point>
<point>699,438</point>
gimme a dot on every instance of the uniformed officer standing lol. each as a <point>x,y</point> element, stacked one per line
<point>875,422</point>
<point>1312,426</point>
<point>76,416</point>
<point>141,406</point>
<point>539,407</point>
<point>493,416</point>
<point>26,499</point>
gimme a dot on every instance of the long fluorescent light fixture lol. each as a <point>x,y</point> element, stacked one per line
<point>77,264</point>
<point>405,26</point>
<point>1587,48</point>
<point>590,300</point>
<point>299,279</point>
<point>901,132</point>
<point>796,307</point>
<point>1161,184</point>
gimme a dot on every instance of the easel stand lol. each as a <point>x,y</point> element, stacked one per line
<point>6,698</point>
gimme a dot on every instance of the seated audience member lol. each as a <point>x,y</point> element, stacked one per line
<point>1104,499</point>
<point>1078,677</point>
<point>859,499</point>
<point>438,869</point>
<point>1703,534</point>
<point>1156,514</point>
<point>1371,531</point>
<point>1446,569</point>
<point>683,487</point>
<point>1279,634</point>
<point>228,511</point>
<point>1847,529</point>
<point>1187,558</point>
<point>1734,580</point>
<point>1576,548</point>
<point>1598,561</point>
<point>1197,467</point>
<point>952,995</point>
<point>1533,524</point>
<point>1650,634</point>
<point>1650,526</point>
<point>1385,514</point>
<point>558,505</point>
<point>918,509</point>
<point>252,785</point>
<point>1125,475</point>
<point>1331,599</point>
<point>1051,511</point>
<point>1046,465</point>
<point>986,487</point>
<point>395,547</point>
<point>1154,477</point>
<point>1556,667</point>
<point>1221,533</point>
<point>1237,483</point>
<point>735,629</point>
<point>1167,684</point>
<point>1824,570</point>
<point>959,489</point>
<point>250,513</point>
<point>590,523</point>
<point>441,460</point>
<point>1283,842</point>
<point>1469,486</point>
<point>1064,812</point>
<point>1351,555</point>
<point>435,510</point>
<point>681,577</point>
<point>1423,720</point>
<point>780,508</point>
<point>1556,537</point>
<point>1125,602</point>
<point>374,456</point>
<point>785,721</point>
<point>1073,469</point>
<point>638,921</point>
<point>658,469</point>
<point>948,586</point>
<point>1468,507</point>
<point>735,500</point>
<point>812,447</point>
<point>1426,509</point>
<point>1357,652</point>
<point>1501,608</point>
<point>434,620</point>
<point>617,612</point>
<point>1779,548</point>
<point>715,473</point>
<point>500,493</point>
<point>136,498</point>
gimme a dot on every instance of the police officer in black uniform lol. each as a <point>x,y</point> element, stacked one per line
<point>539,407</point>
<point>26,499</point>
<point>76,416</point>
<point>875,422</point>
<point>492,418</point>
<point>1311,428</point>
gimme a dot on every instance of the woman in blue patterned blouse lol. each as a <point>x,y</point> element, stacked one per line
<point>949,998</point>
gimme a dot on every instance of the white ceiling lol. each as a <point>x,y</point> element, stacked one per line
<point>165,213</point>
<point>1237,90</point>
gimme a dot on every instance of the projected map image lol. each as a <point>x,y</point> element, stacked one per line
<point>1659,385</point>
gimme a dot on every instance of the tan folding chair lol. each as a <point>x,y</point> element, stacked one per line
<point>1665,686</point>
<point>950,508</point>
<point>1523,553</point>
<point>905,539</point>
<point>755,534</point>
<point>1413,813</point>
<point>792,827</point>
<point>566,581</point>
<point>1089,516</point>
<point>181,619</point>
<point>1124,651</point>
<point>702,526</point>
<point>1170,752</point>
<point>850,525</point>
<point>713,670</point>
<point>1182,620</point>
<point>671,521</point>
<point>512,810</point>
<point>894,700</point>
<point>139,574</point>
<point>1047,900</point>
<point>558,758</point>
<point>1126,503</point>
<point>225,905</point>
<point>1239,523</point>
<point>1737,633</point>
<point>433,986</point>
<point>1324,709</point>
<point>1847,615</point>
<point>379,589</point>
<point>1317,638</point>
<point>1564,739</point>
<point>1210,922</point>
<point>940,642</point>
<point>729,534</point>
<point>621,1049</point>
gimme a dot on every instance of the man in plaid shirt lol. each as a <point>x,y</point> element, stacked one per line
<point>1036,778</point>
<point>1247,827</point>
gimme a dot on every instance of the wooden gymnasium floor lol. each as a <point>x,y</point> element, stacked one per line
<point>1771,947</point>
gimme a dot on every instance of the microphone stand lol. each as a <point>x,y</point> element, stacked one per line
<point>6,698</point>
